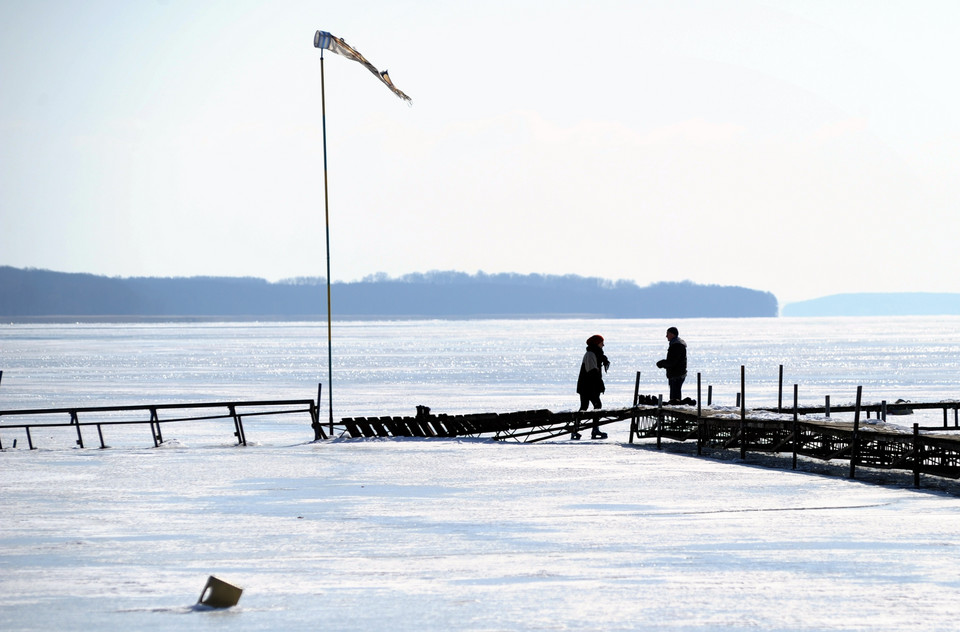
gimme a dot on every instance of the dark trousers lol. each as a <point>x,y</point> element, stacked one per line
<point>675,384</point>
<point>586,400</point>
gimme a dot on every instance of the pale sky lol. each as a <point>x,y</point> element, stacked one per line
<point>803,148</point>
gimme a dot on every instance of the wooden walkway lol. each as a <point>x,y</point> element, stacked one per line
<point>933,450</point>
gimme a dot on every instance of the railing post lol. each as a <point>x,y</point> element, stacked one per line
<point>826,405</point>
<point>155,428</point>
<point>75,420</point>
<point>315,417</point>
<point>100,434</point>
<point>243,435</point>
<point>29,438</point>
<point>709,394</point>
<point>237,424</point>
<point>780,392</point>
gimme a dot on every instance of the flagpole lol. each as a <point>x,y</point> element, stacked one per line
<point>324,40</point>
<point>326,213</point>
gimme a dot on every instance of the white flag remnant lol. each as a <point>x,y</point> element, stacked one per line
<point>334,44</point>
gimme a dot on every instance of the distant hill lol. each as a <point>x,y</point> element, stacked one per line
<point>877,304</point>
<point>31,293</point>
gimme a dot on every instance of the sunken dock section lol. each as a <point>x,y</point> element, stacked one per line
<point>155,416</point>
<point>528,426</point>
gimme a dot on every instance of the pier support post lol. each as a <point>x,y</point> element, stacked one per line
<point>699,420</point>
<point>796,435</point>
<point>659,419</point>
<point>743,412</point>
<point>855,439</point>
<point>635,420</point>
<point>917,456</point>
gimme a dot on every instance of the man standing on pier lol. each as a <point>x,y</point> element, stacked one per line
<point>675,363</point>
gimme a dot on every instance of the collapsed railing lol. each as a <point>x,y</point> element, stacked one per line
<point>235,411</point>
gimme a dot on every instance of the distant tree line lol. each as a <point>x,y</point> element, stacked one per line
<point>44,293</point>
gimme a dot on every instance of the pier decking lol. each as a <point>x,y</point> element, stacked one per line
<point>932,450</point>
<point>529,426</point>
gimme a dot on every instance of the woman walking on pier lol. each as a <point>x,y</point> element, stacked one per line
<point>590,382</point>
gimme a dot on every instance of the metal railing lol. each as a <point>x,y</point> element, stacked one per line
<point>30,420</point>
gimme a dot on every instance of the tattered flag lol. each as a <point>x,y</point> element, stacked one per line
<point>334,44</point>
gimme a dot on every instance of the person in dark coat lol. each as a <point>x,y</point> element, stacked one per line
<point>590,382</point>
<point>675,363</point>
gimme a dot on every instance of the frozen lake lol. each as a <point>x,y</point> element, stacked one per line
<point>461,534</point>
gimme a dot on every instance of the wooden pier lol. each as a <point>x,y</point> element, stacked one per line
<point>932,450</point>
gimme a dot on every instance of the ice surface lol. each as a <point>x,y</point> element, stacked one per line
<point>457,534</point>
<point>447,534</point>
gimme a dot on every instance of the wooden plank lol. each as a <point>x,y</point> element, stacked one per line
<point>351,427</point>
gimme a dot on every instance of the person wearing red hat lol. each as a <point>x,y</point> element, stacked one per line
<point>590,382</point>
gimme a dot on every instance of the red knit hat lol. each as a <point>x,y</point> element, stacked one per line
<point>594,340</point>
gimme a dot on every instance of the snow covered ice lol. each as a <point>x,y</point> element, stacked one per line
<point>448,534</point>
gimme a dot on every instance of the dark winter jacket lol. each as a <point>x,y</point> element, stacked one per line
<point>590,382</point>
<point>676,361</point>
